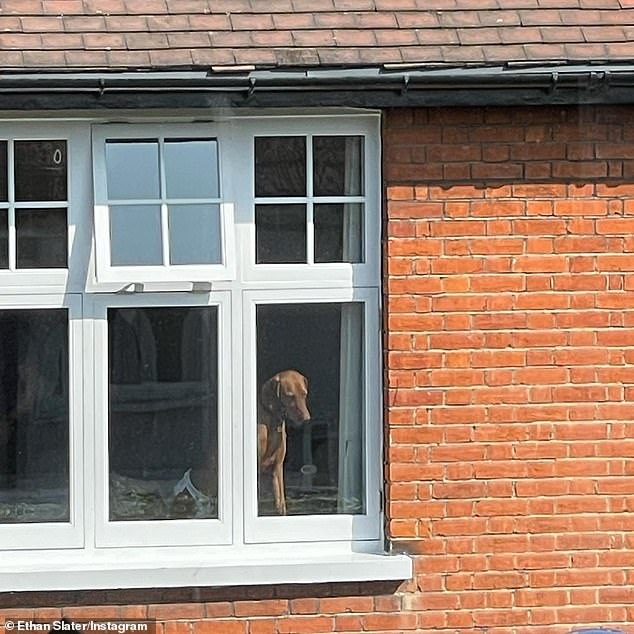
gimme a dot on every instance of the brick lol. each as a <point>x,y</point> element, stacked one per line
<point>306,625</point>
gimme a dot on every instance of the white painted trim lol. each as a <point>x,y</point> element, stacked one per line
<point>69,534</point>
<point>366,273</point>
<point>292,568</point>
<point>106,273</point>
<point>162,532</point>
<point>199,552</point>
<point>365,526</point>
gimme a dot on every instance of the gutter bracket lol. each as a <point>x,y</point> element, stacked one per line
<point>405,86</point>
<point>251,88</point>
<point>554,80</point>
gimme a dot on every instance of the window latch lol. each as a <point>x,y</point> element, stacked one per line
<point>165,287</point>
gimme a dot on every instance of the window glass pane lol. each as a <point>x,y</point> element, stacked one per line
<point>338,232</point>
<point>4,178</point>
<point>163,421</point>
<point>310,369</point>
<point>135,235</point>
<point>338,166</point>
<point>280,234</point>
<point>34,416</point>
<point>194,234</point>
<point>40,170</point>
<point>41,238</point>
<point>191,168</point>
<point>132,170</point>
<point>4,239</point>
<point>280,166</point>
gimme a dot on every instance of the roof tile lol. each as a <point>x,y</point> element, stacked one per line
<point>171,57</point>
<point>104,41</point>
<point>163,33</point>
<point>145,7</point>
<point>105,7</point>
<point>607,33</point>
<point>62,7</point>
<point>272,38</point>
<point>294,21</point>
<point>82,24</point>
<point>418,19</point>
<point>479,36</point>
<point>561,34</point>
<point>22,7</point>
<point>41,24</point>
<point>123,23</point>
<point>96,59</point>
<point>128,59</point>
<point>189,40</point>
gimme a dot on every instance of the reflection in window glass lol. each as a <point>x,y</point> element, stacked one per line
<point>135,235</point>
<point>323,469</point>
<point>280,234</point>
<point>338,232</point>
<point>40,171</point>
<point>163,414</point>
<point>338,166</point>
<point>34,416</point>
<point>132,170</point>
<point>194,232</point>
<point>42,238</point>
<point>280,166</point>
<point>191,168</point>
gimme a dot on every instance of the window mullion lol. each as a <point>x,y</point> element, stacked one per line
<point>164,210</point>
<point>310,221</point>
<point>11,214</point>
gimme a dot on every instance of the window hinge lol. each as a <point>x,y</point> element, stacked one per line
<point>381,501</point>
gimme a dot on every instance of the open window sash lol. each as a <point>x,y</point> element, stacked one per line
<point>163,210</point>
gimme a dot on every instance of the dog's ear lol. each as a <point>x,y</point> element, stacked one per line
<point>270,393</point>
<point>305,383</point>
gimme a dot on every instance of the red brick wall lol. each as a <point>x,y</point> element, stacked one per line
<point>510,400</point>
<point>510,362</point>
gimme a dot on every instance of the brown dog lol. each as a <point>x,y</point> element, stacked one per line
<point>282,400</point>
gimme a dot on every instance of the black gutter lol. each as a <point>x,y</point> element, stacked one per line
<point>365,87</point>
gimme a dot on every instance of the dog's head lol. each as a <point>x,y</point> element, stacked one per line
<point>284,395</point>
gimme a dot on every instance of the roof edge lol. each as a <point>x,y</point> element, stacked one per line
<point>375,87</point>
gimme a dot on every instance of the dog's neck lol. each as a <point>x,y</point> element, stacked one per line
<point>273,418</point>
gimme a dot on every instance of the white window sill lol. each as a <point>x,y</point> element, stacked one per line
<point>257,571</point>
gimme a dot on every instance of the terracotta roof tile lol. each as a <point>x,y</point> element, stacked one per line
<point>94,34</point>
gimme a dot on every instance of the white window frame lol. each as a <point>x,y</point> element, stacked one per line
<point>45,535</point>
<point>78,153</point>
<point>327,274</point>
<point>316,528</point>
<point>105,271</point>
<point>239,548</point>
<point>173,532</point>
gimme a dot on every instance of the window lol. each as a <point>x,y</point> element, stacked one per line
<point>159,211</point>
<point>191,362</point>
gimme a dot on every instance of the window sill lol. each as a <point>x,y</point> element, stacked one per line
<point>256,571</point>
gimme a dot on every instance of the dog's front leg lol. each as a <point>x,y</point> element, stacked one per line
<point>278,488</point>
